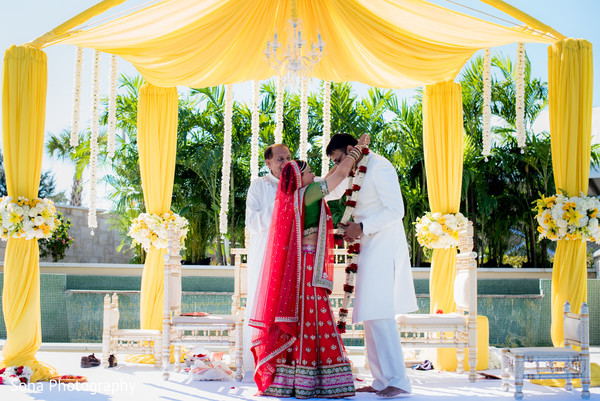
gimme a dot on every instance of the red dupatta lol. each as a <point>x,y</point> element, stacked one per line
<point>275,312</point>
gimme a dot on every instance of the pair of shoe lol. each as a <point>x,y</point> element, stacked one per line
<point>112,361</point>
<point>89,361</point>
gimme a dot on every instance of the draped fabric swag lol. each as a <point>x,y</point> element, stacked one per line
<point>570,86</point>
<point>23,116</point>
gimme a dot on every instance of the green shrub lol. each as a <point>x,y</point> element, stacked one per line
<point>57,245</point>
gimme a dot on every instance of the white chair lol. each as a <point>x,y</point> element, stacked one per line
<point>553,362</point>
<point>451,330</point>
<point>130,341</point>
<point>210,330</point>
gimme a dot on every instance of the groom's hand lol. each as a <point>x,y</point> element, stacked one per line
<point>353,232</point>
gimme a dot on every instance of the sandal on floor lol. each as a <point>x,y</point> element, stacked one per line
<point>112,361</point>
<point>93,360</point>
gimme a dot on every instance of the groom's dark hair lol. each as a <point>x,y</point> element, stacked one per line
<point>340,141</point>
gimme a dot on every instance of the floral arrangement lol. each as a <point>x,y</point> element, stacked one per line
<point>562,217</point>
<point>303,148</point>
<point>94,150</point>
<point>520,96</point>
<point>487,101</point>
<point>24,218</point>
<point>74,138</point>
<point>16,375</point>
<point>279,110</point>
<point>353,250</point>
<point>255,130</point>
<point>437,230</point>
<point>151,229</point>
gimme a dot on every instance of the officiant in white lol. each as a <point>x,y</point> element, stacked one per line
<point>384,284</point>
<point>259,209</point>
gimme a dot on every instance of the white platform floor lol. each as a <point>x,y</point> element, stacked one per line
<point>129,382</point>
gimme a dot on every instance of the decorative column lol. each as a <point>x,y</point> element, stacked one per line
<point>157,146</point>
<point>443,145</point>
<point>570,76</point>
<point>23,118</point>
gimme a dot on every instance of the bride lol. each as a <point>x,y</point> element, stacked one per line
<point>297,349</point>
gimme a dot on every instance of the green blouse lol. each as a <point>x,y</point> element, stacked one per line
<point>312,208</point>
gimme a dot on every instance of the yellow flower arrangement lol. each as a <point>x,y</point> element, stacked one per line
<point>151,229</point>
<point>29,219</point>
<point>562,217</point>
<point>437,230</point>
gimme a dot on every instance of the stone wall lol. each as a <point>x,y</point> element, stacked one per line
<point>86,248</point>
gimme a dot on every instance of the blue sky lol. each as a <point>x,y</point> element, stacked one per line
<point>23,20</point>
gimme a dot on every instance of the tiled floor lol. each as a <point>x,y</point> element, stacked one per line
<point>129,382</point>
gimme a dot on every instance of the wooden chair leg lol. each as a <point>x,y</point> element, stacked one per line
<point>460,356</point>
<point>505,370</point>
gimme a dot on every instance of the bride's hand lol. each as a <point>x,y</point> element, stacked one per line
<point>364,141</point>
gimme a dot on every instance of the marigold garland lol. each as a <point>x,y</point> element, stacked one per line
<point>279,110</point>
<point>255,131</point>
<point>74,139</point>
<point>353,250</point>
<point>226,168</point>
<point>326,127</point>
<point>303,118</point>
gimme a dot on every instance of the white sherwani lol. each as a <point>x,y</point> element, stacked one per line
<point>259,210</point>
<point>384,283</point>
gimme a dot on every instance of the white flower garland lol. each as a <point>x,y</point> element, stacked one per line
<point>303,118</point>
<point>326,127</point>
<point>94,129</point>
<point>74,140</point>
<point>226,171</point>
<point>112,107</point>
<point>279,110</point>
<point>15,375</point>
<point>562,217</point>
<point>255,131</point>
<point>354,183</point>
<point>487,100</point>
<point>520,94</point>
<point>151,230</point>
<point>439,231</point>
<point>29,219</point>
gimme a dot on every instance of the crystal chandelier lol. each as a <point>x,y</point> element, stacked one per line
<point>296,61</point>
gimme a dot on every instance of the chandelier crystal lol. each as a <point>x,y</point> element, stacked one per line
<point>295,60</point>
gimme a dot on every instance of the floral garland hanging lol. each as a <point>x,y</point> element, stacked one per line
<point>303,118</point>
<point>487,100</point>
<point>94,129</point>
<point>149,229</point>
<point>29,219</point>
<point>74,140</point>
<point>439,231</point>
<point>279,110</point>
<point>112,107</point>
<point>255,131</point>
<point>226,171</point>
<point>520,94</point>
<point>562,217</point>
<point>326,127</point>
<point>353,250</point>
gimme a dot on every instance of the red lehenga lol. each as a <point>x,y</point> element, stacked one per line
<point>297,348</point>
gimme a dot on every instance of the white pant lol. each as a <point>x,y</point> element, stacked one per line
<point>384,352</point>
<point>248,358</point>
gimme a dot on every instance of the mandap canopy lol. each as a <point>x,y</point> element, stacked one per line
<point>384,43</point>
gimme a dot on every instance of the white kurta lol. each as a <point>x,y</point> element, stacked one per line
<point>384,283</point>
<point>259,210</point>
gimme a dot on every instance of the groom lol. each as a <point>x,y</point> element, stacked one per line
<point>384,284</point>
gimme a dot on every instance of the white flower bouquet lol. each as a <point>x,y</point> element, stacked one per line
<point>16,375</point>
<point>151,229</point>
<point>562,217</point>
<point>437,230</point>
<point>29,219</point>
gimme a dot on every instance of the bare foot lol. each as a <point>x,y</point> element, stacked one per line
<point>366,389</point>
<point>392,392</point>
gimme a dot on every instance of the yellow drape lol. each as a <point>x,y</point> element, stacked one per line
<point>23,115</point>
<point>157,145</point>
<point>570,102</point>
<point>399,44</point>
<point>443,146</point>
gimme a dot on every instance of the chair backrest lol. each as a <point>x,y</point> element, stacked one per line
<point>576,327</point>
<point>111,312</point>
<point>465,283</point>
<point>172,278</point>
<point>240,279</point>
